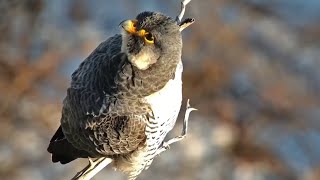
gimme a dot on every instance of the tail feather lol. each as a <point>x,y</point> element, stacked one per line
<point>62,151</point>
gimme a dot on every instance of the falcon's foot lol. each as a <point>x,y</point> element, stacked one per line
<point>166,145</point>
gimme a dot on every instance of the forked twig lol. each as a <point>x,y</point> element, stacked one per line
<point>166,145</point>
<point>187,22</point>
<point>183,9</point>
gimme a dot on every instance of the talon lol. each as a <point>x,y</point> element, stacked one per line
<point>166,145</point>
<point>90,161</point>
<point>151,115</point>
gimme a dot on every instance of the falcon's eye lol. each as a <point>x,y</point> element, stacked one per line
<point>148,37</point>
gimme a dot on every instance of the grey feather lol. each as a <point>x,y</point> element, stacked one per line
<point>114,109</point>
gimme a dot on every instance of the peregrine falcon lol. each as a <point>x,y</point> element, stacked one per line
<point>125,97</point>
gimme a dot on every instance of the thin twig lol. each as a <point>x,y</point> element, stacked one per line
<point>166,145</point>
<point>185,23</point>
<point>92,168</point>
<point>183,9</point>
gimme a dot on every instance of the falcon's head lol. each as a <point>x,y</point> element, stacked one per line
<point>151,38</point>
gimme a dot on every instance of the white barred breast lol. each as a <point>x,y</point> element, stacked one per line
<point>165,105</point>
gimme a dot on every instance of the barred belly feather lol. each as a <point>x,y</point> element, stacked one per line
<point>166,105</point>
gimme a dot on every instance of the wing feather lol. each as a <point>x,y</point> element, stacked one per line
<point>95,118</point>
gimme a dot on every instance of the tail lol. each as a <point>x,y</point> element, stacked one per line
<point>62,151</point>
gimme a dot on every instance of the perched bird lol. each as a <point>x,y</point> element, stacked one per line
<point>125,97</point>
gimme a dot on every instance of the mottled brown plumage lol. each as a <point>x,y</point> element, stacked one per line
<point>117,109</point>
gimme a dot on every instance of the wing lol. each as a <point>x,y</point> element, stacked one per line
<point>94,117</point>
<point>118,134</point>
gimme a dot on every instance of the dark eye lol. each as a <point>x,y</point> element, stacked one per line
<point>149,38</point>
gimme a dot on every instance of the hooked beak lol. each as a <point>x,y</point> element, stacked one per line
<point>129,25</point>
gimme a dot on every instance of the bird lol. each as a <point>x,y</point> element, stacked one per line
<point>124,97</point>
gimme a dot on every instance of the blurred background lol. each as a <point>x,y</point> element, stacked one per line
<point>251,68</point>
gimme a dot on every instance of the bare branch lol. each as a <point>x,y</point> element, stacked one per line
<point>92,168</point>
<point>166,145</point>
<point>183,9</point>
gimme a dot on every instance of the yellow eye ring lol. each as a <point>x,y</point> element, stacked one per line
<point>148,37</point>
